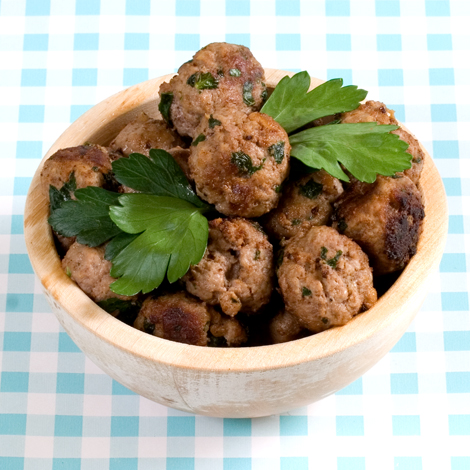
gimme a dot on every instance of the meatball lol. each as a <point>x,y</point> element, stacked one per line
<point>370,111</point>
<point>376,111</point>
<point>239,164</point>
<point>305,203</point>
<point>143,134</point>
<point>177,317</point>
<point>89,269</point>
<point>384,218</point>
<point>226,330</point>
<point>237,268</point>
<point>325,279</point>
<point>181,157</point>
<point>285,327</point>
<point>90,164</point>
<point>219,76</point>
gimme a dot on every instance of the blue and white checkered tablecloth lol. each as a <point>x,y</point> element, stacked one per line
<point>57,409</point>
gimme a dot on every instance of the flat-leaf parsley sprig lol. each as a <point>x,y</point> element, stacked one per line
<point>156,233</point>
<point>364,149</point>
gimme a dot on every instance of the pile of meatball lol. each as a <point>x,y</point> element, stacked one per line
<point>292,251</point>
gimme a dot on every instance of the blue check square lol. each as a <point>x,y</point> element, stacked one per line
<point>390,77</point>
<point>84,77</point>
<point>456,340</point>
<point>345,74</point>
<point>118,389</point>
<point>20,264</point>
<point>14,382</point>
<point>458,382</point>
<point>459,425</point>
<point>443,112</point>
<point>237,427</point>
<point>453,186</point>
<point>13,424</point>
<point>76,110</point>
<point>460,463</point>
<point>124,426</point>
<point>453,263</point>
<point>455,224</point>
<point>12,463</point>
<point>30,113</point>
<point>66,464</point>
<point>66,344</point>
<point>36,42</point>
<point>407,343</point>
<point>28,149</point>
<point>16,341</point>
<point>441,76</point>
<point>408,463</point>
<point>354,388</point>
<point>338,42</point>
<point>241,39</point>
<point>70,382</point>
<point>288,42</point>
<point>437,8</point>
<point>20,303</point>
<point>17,224</point>
<point>38,7</point>
<point>134,76</point>
<point>180,463</point>
<point>21,185</point>
<point>439,42</point>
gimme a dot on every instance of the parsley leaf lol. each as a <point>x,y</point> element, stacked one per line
<point>87,218</point>
<point>234,73</point>
<point>159,175</point>
<point>293,106</point>
<point>165,104</point>
<point>332,262</point>
<point>245,164</point>
<point>123,310</point>
<point>214,122</point>
<point>311,189</point>
<point>364,149</point>
<point>65,193</point>
<point>248,94</point>
<point>203,81</point>
<point>199,138</point>
<point>277,151</point>
<point>172,235</point>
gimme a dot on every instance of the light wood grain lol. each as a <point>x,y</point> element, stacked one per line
<point>246,382</point>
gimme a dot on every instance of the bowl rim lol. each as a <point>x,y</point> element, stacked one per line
<point>81,309</point>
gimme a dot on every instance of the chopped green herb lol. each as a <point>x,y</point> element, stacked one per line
<point>264,93</point>
<point>203,81</point>
<point>416,160</point>
<point>311,189</point>
<point>279,258</point>
<point>123,310</point>
<point>216,341</point>
<point>248,94</point>
<point>214,122</point>
<point>245,163</point>
<point>324,320</point>
<point>234,73</point>
<point>68,272</point>
<point>94,168</point>
<point>296,222</point>
<point>278,188</point>
<point>257,254</point>
<point>277,151</point>
<point>306,292</point>
<point>165,104</point>
<point>257,225</point>
<point>149,327</point>
<point>199,138</point>
<point>65,193</point>
<point>332,262</point>
<point>220,73</point>
<point>342,226</point>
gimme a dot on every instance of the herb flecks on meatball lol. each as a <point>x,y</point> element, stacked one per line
<point>90,270</point>
<point>90,165</point>
<point>384,218</point>
<point>325,279</point>
<point>219,76</point>
<point>143,134</point>
<point>240,164</point>
<point>237,268</point>
<point>305,202</point>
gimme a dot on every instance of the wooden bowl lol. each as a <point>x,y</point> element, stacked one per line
<point>232,382</point>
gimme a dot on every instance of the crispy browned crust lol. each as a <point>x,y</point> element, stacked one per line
<point>384,218</point>
<point>370,111</point>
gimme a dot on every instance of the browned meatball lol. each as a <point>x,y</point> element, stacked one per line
<point>143,134</point>
<point>181,157</point>
<point>88,268</point>
<point>237,268</point>
<point>304,203</point>
<point>241,163</point>
<point>376,111</point>
<point>384,218</point>
<point>227,329</point>
<point>219,76</point>
<point>90,165</point>
<point>325,279</point>
<point>370,111</point>
<point>177,317</point>
<point>285,327</point>
<point>416,152</point>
